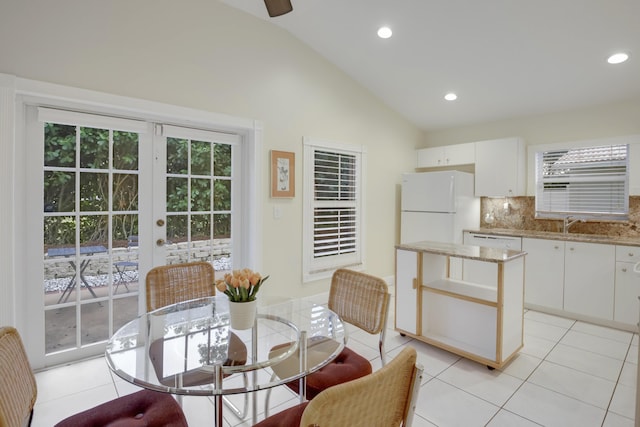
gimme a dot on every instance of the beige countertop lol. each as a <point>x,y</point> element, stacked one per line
<point>569,237</point>
<point>463,251</point>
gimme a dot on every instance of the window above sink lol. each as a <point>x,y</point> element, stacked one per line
<point>583,183</point>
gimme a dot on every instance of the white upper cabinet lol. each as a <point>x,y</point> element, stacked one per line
<point>500,168</point>
<point>448,155</point>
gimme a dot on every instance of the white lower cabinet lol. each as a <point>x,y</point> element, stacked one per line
<point>544,273</point>
<point>588,279</point>
<point>627,285</point>
<point>626,294</point>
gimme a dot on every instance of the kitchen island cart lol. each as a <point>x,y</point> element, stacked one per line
<point>478,316</point>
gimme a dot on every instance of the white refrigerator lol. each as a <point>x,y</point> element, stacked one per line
<point>437,206</point>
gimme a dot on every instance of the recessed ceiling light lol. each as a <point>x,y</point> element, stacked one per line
<point>384,32</point>
<point>618,58</point>
<point>451,96</point>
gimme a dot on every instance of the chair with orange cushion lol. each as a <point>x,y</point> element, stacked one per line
<point>386,397</point>
<point>18,393</point>
<point>361,300</point>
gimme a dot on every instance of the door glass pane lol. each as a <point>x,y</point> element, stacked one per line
<point>201,229</point>
<point>125,254</point>
<point>59,145</point>
<point>59,191</point>
<point>125,192</point>
<point>176,228</point>
<point>222,160</point>
<point>94,188</point>
<point>222,195</point>
<point>94,148</point>
<point>200,194</point>
<point>200,158</point>
<point>177,156</point>
<point>177,194</point>
<point>94,316</point>
<point>61,328</point>
<point>125,150</point>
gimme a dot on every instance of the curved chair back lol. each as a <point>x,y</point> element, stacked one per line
<point>362,300</point>
<point>387,397</point>
<point>170,284</point>
<point>18,390</point>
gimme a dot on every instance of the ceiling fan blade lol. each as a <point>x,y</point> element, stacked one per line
<point>278,7</point>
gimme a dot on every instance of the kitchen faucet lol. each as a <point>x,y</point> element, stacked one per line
<point>568,222</point>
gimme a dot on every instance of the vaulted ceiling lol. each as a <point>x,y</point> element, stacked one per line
<point>503,58</point>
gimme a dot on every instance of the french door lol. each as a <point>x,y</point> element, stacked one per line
<point>117,197</point>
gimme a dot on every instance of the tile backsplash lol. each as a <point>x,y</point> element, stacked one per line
<point>521,216</point>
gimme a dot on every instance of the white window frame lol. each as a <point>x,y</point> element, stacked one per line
<point>589,181</point>
<point>321,268</point>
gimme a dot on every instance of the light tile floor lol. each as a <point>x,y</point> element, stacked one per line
<point>569,373</point>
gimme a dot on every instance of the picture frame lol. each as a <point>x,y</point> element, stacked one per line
<point>283,171</point>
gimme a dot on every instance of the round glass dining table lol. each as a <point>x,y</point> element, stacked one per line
<point>189,348</point>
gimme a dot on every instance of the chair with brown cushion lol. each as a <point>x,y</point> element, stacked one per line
<point>361,300</point>
<point>171,284</point>
<point>386,397</point>
<point>18,394</point>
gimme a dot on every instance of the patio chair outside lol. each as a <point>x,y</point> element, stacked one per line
<point>126,268</point>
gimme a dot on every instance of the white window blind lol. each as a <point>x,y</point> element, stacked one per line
<point>334,214</point>
<point>333,218</point>
<point>588,182</point>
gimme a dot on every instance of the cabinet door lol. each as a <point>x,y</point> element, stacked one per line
<point>588,279</point>
<point>460,154</point>
<point>500,167</point>
<point>544,272</point>
<point>430,157</point>
<point>627,290</point>
<point>406,292</point>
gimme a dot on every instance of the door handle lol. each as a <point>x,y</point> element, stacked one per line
<point>160,242</point>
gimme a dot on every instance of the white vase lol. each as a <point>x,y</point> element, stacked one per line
<point>242,314</point>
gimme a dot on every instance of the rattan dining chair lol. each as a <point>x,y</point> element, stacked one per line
<point>361,300</point>
<point>386,397</point>
<point>18,393</point>
<point>171,284</point>
<point>174,283</point>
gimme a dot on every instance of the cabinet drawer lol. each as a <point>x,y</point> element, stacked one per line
<point>628,253</point>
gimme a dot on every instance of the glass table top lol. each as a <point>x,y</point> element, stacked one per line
<point>181,348</point>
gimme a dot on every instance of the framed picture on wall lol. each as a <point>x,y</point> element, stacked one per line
<point>283,170</point>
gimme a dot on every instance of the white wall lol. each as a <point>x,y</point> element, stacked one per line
<point>204,55</point>
<point>594,122</point>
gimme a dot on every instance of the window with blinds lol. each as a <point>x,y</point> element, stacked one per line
<point>587,183</point>
<point>332,220</point>
<point>334,213</point>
